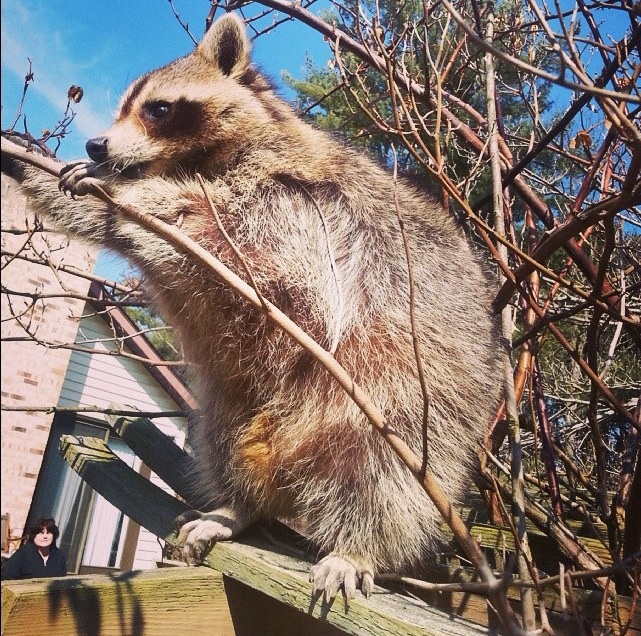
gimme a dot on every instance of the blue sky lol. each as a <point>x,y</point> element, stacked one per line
<point>103,46</point>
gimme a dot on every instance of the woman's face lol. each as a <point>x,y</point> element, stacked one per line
<point>44,538</point>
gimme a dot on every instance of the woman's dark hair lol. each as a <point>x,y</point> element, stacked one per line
<point>44,523</point>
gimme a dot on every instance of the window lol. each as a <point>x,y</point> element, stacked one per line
<point>92,531</point>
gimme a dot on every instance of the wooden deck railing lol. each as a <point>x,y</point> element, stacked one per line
<point>255,585</point>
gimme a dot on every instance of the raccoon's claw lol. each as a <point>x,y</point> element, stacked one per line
<point>336,571</point>
<point>78,178</point>
<point>200,531</point>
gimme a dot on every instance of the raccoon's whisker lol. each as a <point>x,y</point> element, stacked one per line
<point>141,122</point>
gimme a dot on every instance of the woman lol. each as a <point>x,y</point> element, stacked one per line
<point>39,556</point>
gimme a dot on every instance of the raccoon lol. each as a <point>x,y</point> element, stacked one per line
<point>319,227</point>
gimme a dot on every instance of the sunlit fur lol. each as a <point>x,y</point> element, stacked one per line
<point>317,223</point>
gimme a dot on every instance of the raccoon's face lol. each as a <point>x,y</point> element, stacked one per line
<point>200,108</point>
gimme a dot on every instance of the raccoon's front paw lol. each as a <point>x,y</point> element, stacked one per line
<point>346,571</point>
<point>78,178</point>
<point>199,531</point>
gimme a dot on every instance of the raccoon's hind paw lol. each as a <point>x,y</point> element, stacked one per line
<point>78,178</point>
<point>199,531</point>
<point>336,571</point>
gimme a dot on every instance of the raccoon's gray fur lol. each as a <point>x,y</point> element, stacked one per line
<point>317,223</point>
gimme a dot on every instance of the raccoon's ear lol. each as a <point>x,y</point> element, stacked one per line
<point>226,45</point>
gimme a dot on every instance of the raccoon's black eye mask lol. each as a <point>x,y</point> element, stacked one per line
<point>171,120</point>
<point>155,111</point>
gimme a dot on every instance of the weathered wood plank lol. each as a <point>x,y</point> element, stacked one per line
<point>129,491</point>
<point>263,567</point>
<point>254,562</point>
<point>501,539</point>
<point>163,602</point>
<point>170,462</point>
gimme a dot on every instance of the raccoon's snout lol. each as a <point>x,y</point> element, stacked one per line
<point>97,149</point>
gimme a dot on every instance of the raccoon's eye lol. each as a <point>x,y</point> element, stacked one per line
<point>157,110</point>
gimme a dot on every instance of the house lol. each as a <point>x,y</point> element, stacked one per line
<point>43,308</point>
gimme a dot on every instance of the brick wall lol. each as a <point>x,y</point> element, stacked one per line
<point>32,373</point>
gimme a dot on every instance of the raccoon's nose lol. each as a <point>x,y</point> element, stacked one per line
<point>97,149</point>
